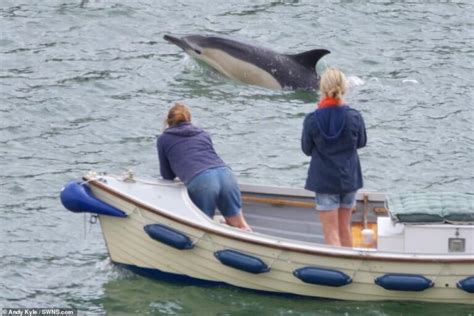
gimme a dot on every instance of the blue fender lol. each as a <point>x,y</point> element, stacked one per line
<point>77,197</point>
<point>322,276</point>
<point>466,284</point>
<point>241,261</point>
<point>404,282</point>
<point>169,236</point>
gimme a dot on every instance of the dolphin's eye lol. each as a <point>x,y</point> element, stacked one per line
<point>197,51</point>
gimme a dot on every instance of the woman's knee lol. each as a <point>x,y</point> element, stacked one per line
<point>345,215</point>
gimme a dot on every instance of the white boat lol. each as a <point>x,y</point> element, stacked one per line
<point>153,228</point>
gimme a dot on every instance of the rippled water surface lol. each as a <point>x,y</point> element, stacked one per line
<point>85,85</point>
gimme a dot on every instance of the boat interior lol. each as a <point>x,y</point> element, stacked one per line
<point>416,223</point>
<point>294,217</point>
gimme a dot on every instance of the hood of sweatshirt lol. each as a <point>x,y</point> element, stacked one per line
<point>331,122</point>
<point>184,130</point>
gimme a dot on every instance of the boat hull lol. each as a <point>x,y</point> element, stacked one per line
<point>130,246</point>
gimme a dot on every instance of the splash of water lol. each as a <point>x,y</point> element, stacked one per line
<point>355,81</point>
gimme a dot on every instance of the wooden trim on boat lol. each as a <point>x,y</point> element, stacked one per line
<point>278,202</point>
<point>365,256</point>
<point>303,193</point>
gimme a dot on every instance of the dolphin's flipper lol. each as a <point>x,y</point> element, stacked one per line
<point>183,44</point>
<point>310,58</point>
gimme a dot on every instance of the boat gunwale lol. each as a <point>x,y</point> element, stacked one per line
<point>351,253</point>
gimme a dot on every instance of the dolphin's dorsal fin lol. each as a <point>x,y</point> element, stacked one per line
<point>309,58</point>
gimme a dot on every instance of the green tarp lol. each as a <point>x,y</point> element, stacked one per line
<point>439,207</point>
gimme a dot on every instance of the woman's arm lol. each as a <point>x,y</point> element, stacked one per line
<point>165,168</point>
<point>362,135</point>
<point>307,143</point>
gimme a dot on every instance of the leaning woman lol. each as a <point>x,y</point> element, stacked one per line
<point>331,136</point>
<point>186,151</point>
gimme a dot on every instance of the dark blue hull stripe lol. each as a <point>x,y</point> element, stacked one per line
<point>187,280</point>
<point>168,276</point>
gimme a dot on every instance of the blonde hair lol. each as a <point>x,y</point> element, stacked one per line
<point>333,83</point>
<point>179,113</point>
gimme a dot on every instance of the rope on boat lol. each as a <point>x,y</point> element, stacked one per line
<point>275,259</point>
<point>173,184</point>
<point>85,221</point>
<point>85,225</point>
<point>439,272</point>
<point>127,176</point>
<point>136,210</point>
<point>363,262</point>
<point>91,176</point>
<point>358,268</point>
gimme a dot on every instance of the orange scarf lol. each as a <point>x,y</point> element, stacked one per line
<point>328,102</point>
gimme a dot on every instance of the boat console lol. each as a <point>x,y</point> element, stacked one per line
<point>430,223</point>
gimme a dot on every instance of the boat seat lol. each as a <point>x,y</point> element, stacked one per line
<point>436,207</point>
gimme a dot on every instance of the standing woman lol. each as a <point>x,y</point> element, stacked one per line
<point>331,136</point>
<point>186,151</point>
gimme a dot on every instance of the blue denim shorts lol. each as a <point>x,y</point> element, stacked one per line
<point>328,202</point>
<point>216,188</point>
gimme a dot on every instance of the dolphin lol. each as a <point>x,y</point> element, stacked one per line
<point>254,65</point>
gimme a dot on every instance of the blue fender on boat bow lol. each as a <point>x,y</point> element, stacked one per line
<point>77,197</point>
<point>169,236</point>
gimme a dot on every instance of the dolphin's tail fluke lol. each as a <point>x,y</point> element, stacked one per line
<point>310,58</point>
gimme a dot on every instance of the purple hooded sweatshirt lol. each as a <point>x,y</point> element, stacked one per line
<point>184,151</point>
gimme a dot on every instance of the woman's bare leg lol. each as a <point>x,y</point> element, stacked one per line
<point>330,222</point>
<point>238,221</point>
<point>345,231</point>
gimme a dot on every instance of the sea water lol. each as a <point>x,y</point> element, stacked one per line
<point>85,85</point>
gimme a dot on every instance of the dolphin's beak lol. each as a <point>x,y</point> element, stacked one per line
<point>177,41</point>
<point>183,44</point>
